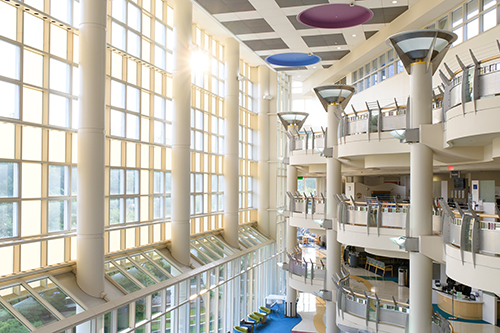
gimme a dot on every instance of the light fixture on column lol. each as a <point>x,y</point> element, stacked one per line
<point>334,98</point>
<point>409,244</point>
<point>426,45</point>
<point>293,121</point>
<point>335,94</point>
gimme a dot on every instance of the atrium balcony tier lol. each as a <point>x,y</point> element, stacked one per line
<point>465,116</point>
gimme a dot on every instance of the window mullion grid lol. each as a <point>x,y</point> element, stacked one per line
<point>17,314</point>
<point>127,274</point>
<point>67,292</point>
<point>43,301</point>
<point>142,269</point>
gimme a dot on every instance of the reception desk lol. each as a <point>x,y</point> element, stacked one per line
<point>464,308</point>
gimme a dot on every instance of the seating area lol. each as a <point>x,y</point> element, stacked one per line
<point>377,264</point>
<point>251,323</point>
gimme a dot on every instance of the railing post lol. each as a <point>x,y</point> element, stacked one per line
<point>465,80</point>
<point>379,125</point>
<point>368,210</point>
<point>407,226</point>
<point>379,217</point>
<point>368,128</point>
<point>312,271</point>
<point>367,309</point>
<point>313,206</point>
<point>312,143</point>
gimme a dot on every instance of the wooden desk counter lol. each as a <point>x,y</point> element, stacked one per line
<point>464,309</point>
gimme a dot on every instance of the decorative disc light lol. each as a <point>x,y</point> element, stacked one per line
<point>293,59</point>
<point>335,16</point>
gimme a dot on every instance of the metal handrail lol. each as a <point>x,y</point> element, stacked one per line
<point>343,289</point>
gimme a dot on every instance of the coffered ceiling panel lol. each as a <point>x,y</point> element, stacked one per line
<point>270,27</point>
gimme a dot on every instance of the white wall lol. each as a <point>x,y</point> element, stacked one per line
<point>398,86</point>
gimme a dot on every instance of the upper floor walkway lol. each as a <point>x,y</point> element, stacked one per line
<point>466,111</point>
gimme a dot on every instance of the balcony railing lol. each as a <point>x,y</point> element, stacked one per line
<point>375,309</point>
<point>472,82</point>
<point>307,205</point>
<point>308,140</point>
<point>478,80</point>
<point>372,213</point>
<point>375,119</point>
<point>468,231</point>
<point>306,268</point>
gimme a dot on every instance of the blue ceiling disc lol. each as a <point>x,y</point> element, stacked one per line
<point>293,59</point>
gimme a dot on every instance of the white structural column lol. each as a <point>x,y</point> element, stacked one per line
<point>263,167</point>
<point>91,143</point>
<point>231,158</point>
<point>291,242</point>
<point>181,132</point>
<point>421,200</point>
<point>333,186</point>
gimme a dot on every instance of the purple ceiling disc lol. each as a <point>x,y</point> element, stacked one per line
<point>335,16</point>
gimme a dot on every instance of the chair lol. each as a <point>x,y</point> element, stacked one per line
<point>262,316</point>
<point>388,268</point>
<point>265,310</point>
<point>238,329</point>
<point>254,318</point>
<point>248,324</point>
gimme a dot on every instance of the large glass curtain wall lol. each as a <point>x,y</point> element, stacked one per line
<point>212,299</point>
<point>38,90</point>
<point>207,133</point>
<point>38,121</point>
<point>247,127</point>
<point>139,121</point>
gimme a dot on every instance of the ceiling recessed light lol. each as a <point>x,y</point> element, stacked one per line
<point>338,47</point>
<point>394,1</point>
<point>353,35</point>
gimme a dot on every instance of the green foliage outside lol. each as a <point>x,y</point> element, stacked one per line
<point>8,187</point>
<point>307,185</point>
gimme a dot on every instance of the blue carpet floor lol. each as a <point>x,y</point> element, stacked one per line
<point>278,323</point>
<point>445,315</point>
